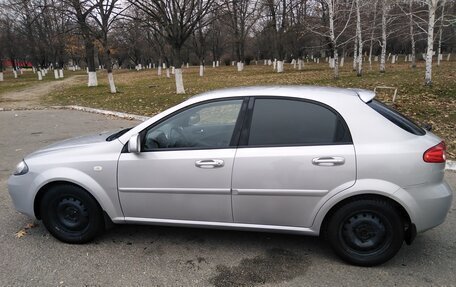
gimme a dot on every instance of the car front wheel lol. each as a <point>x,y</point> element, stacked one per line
<point>366,232</point>
<point>71,214</point>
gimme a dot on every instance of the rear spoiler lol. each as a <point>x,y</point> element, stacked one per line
<point>365,95</point>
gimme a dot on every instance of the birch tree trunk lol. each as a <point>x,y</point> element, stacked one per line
<point>383,52</point>
<point>372,36</point>
<point>355,52</point>
<point>432,7</point>
<point>412,34</point>
<point>439,48</point>
<point>332,36</point>
<point>359,60</point>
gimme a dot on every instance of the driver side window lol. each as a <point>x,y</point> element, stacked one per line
<point>210,125</point>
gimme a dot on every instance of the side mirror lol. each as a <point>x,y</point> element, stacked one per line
<point>134,144</point>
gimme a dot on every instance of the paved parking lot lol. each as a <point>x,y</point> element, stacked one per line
<point>168,256</point>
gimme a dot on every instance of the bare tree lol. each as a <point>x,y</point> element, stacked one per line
<point>243,14</point>
<point>338,14</point>
<point>359,39</point>
<point>441,26</point>
<point>106,13</point>
<point>81,11</point>
<point>176,20</point>
<point>432,8</point>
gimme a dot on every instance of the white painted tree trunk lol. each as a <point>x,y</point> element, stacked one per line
<point>342,61</point>
<point>173,70</point>
<point>21,71</point>
<point>383,44</point>
<point>318,60</point>
<point>93,80</point>
<point>432,7</point>
<point>40,76</point>
<point>112,86</point>
<point>164,65</point>
<point>448,57</point>
<point>240,66</point>
<point>61,73</point>
<point>56,74</point>
<point>201,70</point>
<point>15,74</point>
<point>217,63</point>
<point>294,64</point>
<point>274,64</point>
<point>1,76</point>
<point>34,70</point>
<point>179,81</point>
<point>300,64</point>
<point>168,73</point>
<point>213,64</point>
<point>280,66</point>
<point>159,70</point>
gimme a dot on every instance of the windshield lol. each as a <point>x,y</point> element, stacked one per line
<point>117,134</point>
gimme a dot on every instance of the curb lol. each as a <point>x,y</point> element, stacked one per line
<point>450,165</point>
<point>103,112</point>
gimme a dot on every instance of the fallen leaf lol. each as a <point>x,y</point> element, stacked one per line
<point>21,233</point>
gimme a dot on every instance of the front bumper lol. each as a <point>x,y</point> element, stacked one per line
<point>20,188</point>
<point>427,204</point>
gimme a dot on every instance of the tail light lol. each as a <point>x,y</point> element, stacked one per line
<point>435,154</point>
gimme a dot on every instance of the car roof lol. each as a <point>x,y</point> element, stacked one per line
<point>288,91</point>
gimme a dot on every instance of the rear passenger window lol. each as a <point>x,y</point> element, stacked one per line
<point>396,118</point>
<point>294,122</point>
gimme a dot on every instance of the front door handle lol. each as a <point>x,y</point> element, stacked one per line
<point>328,161</point>
<point>209,163</point>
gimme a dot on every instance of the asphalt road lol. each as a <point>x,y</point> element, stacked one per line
<point>168,256</point>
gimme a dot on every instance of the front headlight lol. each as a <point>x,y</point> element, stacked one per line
<point>21,168</point>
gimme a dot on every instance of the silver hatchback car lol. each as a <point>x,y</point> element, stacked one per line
<point>307,160</point>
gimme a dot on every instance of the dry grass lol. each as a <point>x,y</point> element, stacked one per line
<point>145,93</point>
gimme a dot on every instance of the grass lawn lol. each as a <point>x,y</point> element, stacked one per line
<point>10,84</point>
<point>145,93</point>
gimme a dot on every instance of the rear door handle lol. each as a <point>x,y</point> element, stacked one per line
<point>209,163</point>
<point>328,161</point>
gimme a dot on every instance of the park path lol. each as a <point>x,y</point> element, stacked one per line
<point>30,96</point>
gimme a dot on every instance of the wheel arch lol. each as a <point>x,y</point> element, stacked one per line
<point>410,231</point>
<point>42,191</point>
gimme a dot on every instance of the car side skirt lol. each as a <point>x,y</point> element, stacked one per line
<point>218,225</point>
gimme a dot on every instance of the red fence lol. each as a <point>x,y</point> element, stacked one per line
<point>9,63</point>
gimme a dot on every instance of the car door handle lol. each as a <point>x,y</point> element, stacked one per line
<point>209,163</point>
<point>328,161</point>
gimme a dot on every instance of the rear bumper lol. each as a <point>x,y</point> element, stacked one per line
<point>427,204</point>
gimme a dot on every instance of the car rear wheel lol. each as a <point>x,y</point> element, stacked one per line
<point>366,232</point>
<point>71,214</point>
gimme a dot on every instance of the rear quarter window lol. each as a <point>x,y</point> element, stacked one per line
<point>396,118</point>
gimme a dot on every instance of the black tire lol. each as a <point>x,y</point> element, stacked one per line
<point>71,214</point>
<point>366,232</point>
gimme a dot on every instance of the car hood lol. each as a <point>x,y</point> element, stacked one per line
<point>72,143</point>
